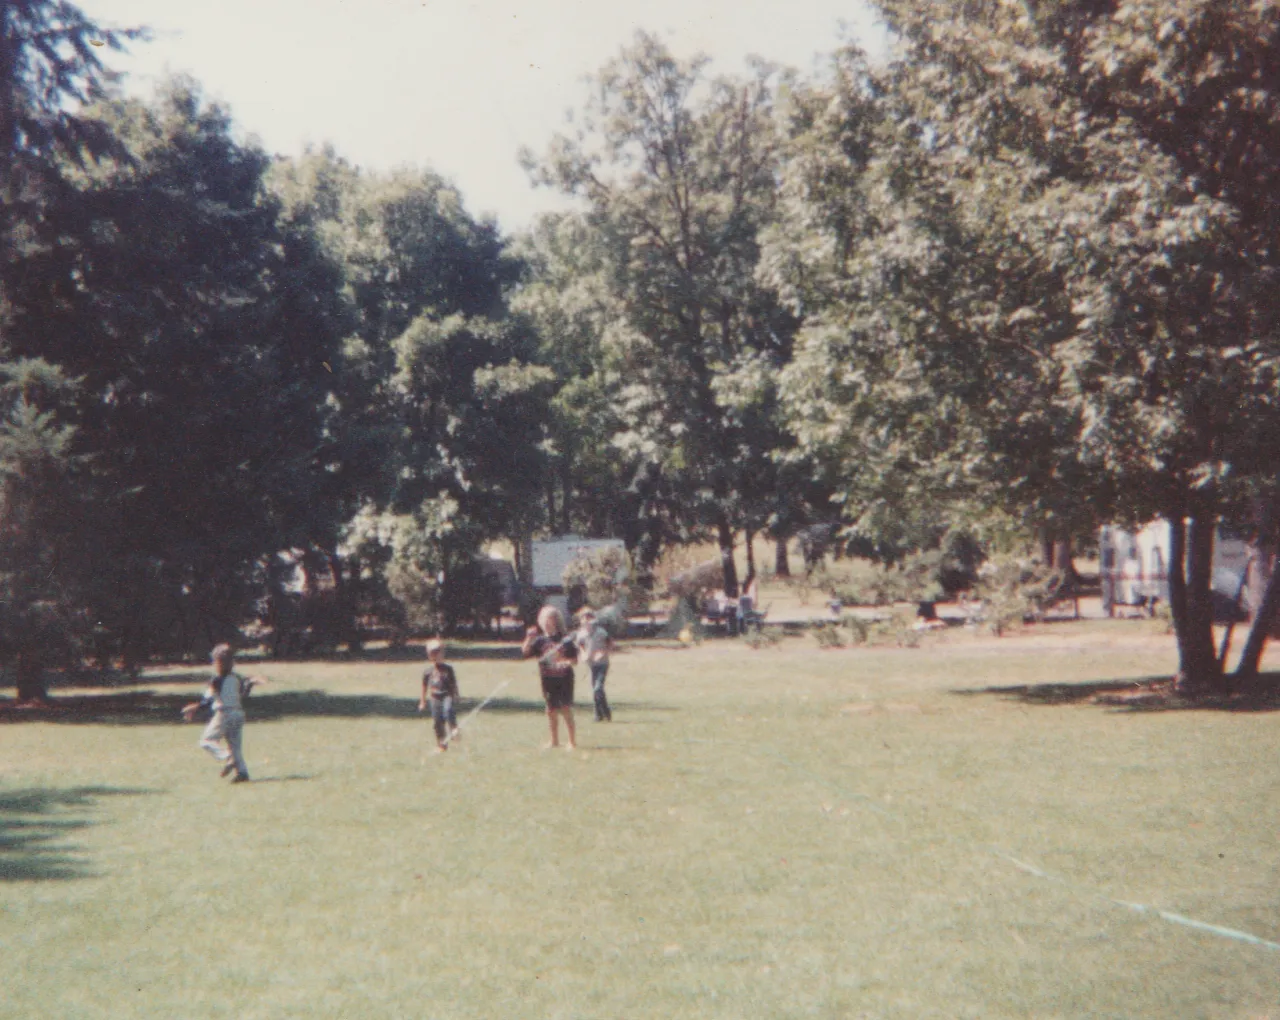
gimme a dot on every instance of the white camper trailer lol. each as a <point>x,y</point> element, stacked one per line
<point>1134,569</point>
<point>549,558</point>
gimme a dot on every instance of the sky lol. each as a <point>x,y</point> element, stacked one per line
<point>453,85</point>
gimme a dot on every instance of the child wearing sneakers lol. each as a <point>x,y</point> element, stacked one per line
<point>440,688</point>
<point>225,695</point>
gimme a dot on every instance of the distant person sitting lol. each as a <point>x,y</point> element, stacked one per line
<point>556,655</point>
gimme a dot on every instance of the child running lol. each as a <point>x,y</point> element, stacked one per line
<point>556,655</point>
<point>225,695</point>
<point>440,687</point>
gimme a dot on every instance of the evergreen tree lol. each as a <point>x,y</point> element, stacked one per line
<point>205,332</point>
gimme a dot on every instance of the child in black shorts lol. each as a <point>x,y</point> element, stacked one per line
<point>556,654</point>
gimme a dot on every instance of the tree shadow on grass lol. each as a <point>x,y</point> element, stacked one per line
<point>149,708</point>
<point>1143,694</point>
<point>34,825</point>
<point>414,651</point>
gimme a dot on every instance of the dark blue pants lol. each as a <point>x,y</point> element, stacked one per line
<point>441,713</point>
<point>599,670</point>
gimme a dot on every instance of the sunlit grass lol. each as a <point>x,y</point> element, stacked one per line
<point>779,833</point>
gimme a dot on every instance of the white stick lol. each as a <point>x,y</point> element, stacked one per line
<point>475,711</point>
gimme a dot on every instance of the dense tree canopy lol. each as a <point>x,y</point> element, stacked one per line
<point>679,174</point>
<point>1028,284</point>
<point>1024,271</point>
<point>443,407</point>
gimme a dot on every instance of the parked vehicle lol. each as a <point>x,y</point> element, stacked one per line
<point>1134,569</point>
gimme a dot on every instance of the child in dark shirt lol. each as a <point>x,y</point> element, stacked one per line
<point>440,688</point>
<point>556,653</point>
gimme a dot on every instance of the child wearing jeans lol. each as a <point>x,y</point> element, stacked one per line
<point>440,688</point>
<point>594,644</point>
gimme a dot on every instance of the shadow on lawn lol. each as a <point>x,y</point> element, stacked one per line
<point>1145,694</point>
<point>35,823</point>
<point>414,651</point>
<point>147,708</point>
<point>492,651</point>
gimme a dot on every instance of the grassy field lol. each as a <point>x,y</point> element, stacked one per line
<point>777,833</point>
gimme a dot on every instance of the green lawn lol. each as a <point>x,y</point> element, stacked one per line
<point>774,833</point>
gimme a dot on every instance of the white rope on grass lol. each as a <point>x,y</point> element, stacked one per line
<point>1138,908</point>
<point>476,711</point>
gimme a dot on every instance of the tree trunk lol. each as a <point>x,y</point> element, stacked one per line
<point>751,554</point>
<point>1251,657</point>
<point>1064,561</point>
<point>30,678</point>
<point>1190,597</point>
<point>1058,555</point>
<point>724,534</point>
<point>551,502</point>
<point>344,595</point>
<point>781,568</point>
<point>566,495</point>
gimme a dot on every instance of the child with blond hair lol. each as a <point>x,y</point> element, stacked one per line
<point>556,654</point>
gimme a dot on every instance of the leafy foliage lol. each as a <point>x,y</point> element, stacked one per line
<point>1014,271</point>
<point>679,174</point>
<point>603,573</point>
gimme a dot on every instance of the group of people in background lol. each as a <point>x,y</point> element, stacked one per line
<point>556,650</point>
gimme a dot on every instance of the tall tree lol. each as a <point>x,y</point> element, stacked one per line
<point>50,70</point>
<point>41,574</point>
<point>679,176</point>
<point>443,408</point>
<point>1041,289</point>
<point>567,297</point>
<point>205,333</point>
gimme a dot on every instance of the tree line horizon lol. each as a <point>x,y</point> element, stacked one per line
<point>1018,281</point>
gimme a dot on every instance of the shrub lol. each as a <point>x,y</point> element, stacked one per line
<point>1013,590</point>
<point>696,581</point>
<point>862,582</point>
<point>859,629</point>
<point>898,629</point>
<point>602,573</point>
<point>1162,617</point>
<point>924,576</point>
<point>684,616</point>
<point>828,634</point>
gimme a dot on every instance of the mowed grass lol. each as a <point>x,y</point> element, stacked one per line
<point>778,833</point>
